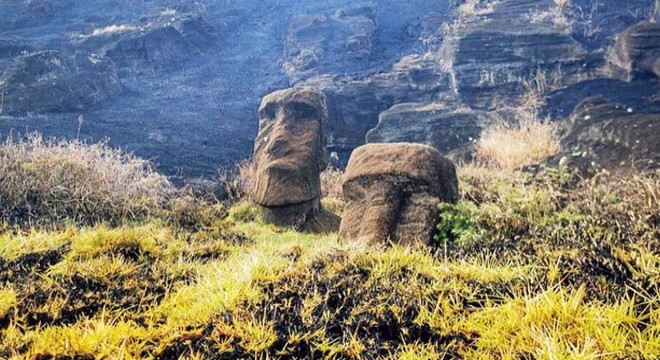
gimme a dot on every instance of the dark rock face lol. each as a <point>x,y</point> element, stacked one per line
<point>594,23</point>
<point>612,136</point>
<point>636,52</point>
<point>10,49</point>
<point>484,60</point>
<point>430,124</point>
<point>192,75</point>
<point>320,44</point>
<point>43,82</point>
<point>491,53</point>
<point>392,191</point>
<point>356,104</point>
<point>289,155</point>
<point>179,82</point>
<point>163,44</point>
<point>640,95</point>
<point>363,73</point>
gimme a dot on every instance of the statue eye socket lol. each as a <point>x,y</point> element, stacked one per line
<point>301,110</point>
<point>269,112</point>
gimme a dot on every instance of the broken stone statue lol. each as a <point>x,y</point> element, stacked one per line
<point>392,192</point>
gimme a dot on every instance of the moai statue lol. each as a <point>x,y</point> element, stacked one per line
<point>289,155</point>
<point>392,192</point>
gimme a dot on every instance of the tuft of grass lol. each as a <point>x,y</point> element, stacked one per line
<point>560,14</point>
<point>511,145</point>
<point>238,181</point>
<point>417,351</point>
<point>560,324</point>
<point>332,192</point>
<point>47,181</point>
<point>331,183</point>
<point>102,338</point>
<point>14,245</point>
<point>8,300</point>
<point>193,213</point>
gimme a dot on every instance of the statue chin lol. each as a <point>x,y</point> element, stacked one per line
<point>284,185</point>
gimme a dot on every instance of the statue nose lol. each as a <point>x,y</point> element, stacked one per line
<point>279,147</point>
<point>381,214</point>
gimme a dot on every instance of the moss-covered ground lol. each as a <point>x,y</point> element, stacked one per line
<point>525,267</point>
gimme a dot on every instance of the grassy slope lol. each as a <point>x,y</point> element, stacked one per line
<point>531,268</point>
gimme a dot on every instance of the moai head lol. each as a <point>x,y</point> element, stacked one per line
<point>392,191</point>
<point>290,148</point>
<point>289,155</point>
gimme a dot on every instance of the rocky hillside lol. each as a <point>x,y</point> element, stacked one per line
<point>180,81</point>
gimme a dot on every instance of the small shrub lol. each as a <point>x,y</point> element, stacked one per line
<point>458,223</point>
<point>238,181</point>
<point>45,181</point>
<point>244,211</point>
<point>536,86</point>
<point>332,192</point>
<point>193,213</point>
<point>331,183</point>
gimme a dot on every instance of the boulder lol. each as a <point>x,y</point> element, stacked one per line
<point>610,136</point>
<point>289,154</point>
<point>392,191</point>
<point>636,52</point>
<point>641,95</point>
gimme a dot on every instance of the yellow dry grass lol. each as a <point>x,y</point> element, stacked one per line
<point>509,145</point>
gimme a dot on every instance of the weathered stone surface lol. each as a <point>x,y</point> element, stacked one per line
<point>636,52</point>
<point>490,53</point>
<point>640,95</point>
<point>484,60</point>
<point>594,23</point>
<point>611,136</point>
<point>392,191</point>
<point>43,82</point>
<point>320,44</point>
<point>289,155</point>
<point>428,123</point>
<point>361,69</point>
<point>10,49</point>
<point>159,44</point>
<point>44,9</point>
<point>355,106</point>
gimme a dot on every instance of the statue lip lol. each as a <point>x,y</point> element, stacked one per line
<point>281,165</point>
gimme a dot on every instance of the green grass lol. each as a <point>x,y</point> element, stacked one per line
<point>542,267</point>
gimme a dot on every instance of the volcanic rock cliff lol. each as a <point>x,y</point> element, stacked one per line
<point>181,81</point>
